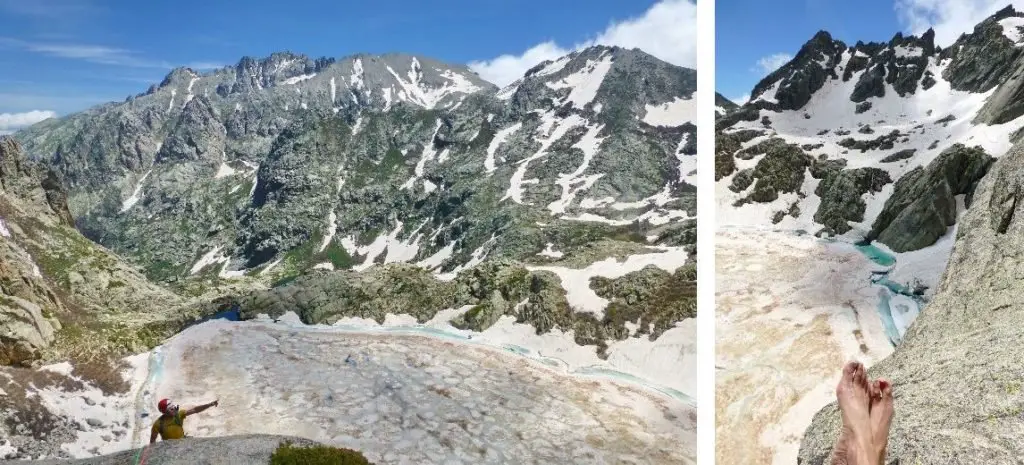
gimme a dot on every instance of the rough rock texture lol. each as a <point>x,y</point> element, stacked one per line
<point>923,204</point>
<point>780,170</point>
<point>957,378</point>
<point>802,77</point>
<point>1001,63</point>
<point>982,59</point>
<point>52,278</point>
<point>240,450</point>
<point>841,195</point>
<point>656,298</point>
<point>726,145</point>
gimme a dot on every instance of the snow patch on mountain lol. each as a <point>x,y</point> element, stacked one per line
<point>576,282</point>
<point>585,83</point>
<point>332,228</point>
<point>438,259</point>
<point>210,258</point>
<point>477,258</point>
<point>297,79</point>
<point>356,78</point>
<point>136,194</point>
<point>419,93</point>
<point>190,96</point>
<point>574,183</point>
<point>672,114</point>
<point>549,251</point>
<point>496,142</point>
<point>1012,29</point>
<point>170,105</point>
<point>397,250</point>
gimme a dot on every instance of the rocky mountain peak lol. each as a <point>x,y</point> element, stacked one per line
<point>987,56</point>
<point>794,82</point>
<point>926,42</point>
<point>178,76</point>
<point>901,63</point>
<point>1007,12</point>
<point>606,83</point>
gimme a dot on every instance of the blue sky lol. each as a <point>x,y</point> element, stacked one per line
<point>755,37</point>
<point>67,55</point>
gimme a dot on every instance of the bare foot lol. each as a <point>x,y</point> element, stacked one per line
<point>856,443</point>
<point>881,416</point>
<point>841,453</point>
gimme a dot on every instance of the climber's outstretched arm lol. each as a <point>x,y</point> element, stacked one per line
<point>200,408</point>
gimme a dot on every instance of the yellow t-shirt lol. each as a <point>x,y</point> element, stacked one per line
<point>170,427</point>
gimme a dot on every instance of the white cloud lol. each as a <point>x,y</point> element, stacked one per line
<point>100,54</point>
<point>507,68</point>
<point>668,30</point>
<point>10,122</point>
<point>773,62</point>
<point>949,18</point>
<point>741,99</point>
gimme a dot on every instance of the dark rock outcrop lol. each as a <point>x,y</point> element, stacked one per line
<point>923,204</point>
<point>780,170</point>
<point>841,194</point>
<point>982,59</point>
<point>804,75</point>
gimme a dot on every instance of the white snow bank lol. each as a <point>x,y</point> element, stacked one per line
<point>224,171</point>
<point>1011,29</point>
<point>107,423</point>
<point>675,113</point>
<point>585,83</point>
<point>496,142</point>
<point>136,194</point>
<point>297,79</point>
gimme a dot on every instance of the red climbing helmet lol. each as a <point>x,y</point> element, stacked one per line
<point>162,406</point>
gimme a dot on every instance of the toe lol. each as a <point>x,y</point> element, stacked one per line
<point>860,377</point>
<point>850,369</point>
<point>885,386</point>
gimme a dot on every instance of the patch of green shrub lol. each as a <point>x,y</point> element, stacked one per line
<point>288,454</point>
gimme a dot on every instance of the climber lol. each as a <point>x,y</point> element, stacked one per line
<point>867,408</point>
<point>171,424</point>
